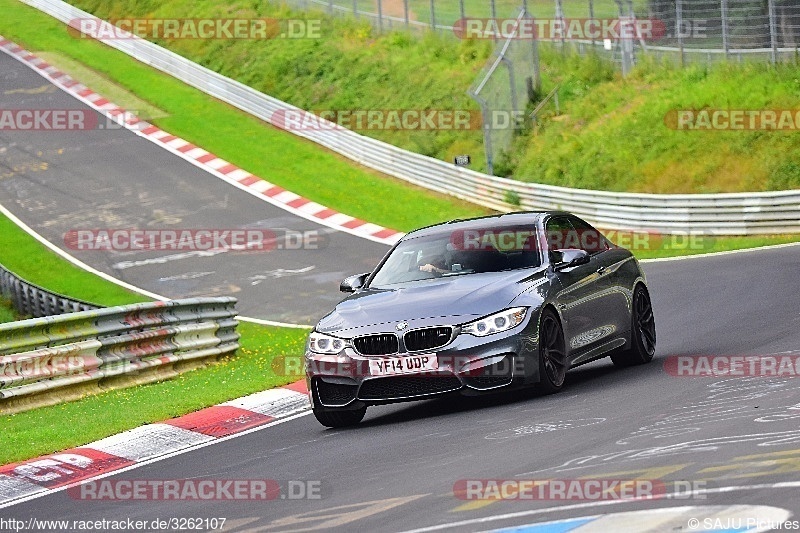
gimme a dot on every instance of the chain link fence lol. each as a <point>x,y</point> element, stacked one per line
<point>699,30</point>
<point>621,31</point>
<point>506,86</point>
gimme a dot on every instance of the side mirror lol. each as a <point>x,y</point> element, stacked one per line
<point>568,258</point>
<point>353,283</point>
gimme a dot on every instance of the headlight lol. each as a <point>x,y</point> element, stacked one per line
<point>319,343</point>
<point>502,321</point>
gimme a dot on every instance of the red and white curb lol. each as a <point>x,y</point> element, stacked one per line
<point>201,158</point>
<point>37,477</point>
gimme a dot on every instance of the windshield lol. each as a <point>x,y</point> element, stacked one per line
<point>459,253</point>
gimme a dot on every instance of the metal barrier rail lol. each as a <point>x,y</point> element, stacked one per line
<point>722,214</point>
<point>31,300</point>
<point>42,354</point>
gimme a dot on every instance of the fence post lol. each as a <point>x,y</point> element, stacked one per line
<point>405,12</point>
<point>355,8</point>
<point>493,7</point>
<point>773,30</point>
<point>461,9</point>
<point>380,16</point>
<point>330,7</point>
<point>512,84</point>
<point>433,17</point>
<point>537,82</point>
<point>625,44</point>
<point>561,24</point>
<point>724,15</point>
<point>591,17</point>
<point>679,28</point>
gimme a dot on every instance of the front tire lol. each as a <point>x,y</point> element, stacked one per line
<point>552,354</point>
<point>341,417</point>
<point>643,332</point>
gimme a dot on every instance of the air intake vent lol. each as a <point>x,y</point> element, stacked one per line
<point>399,387</point>
<point>427,339</point>
<point>383,344</point>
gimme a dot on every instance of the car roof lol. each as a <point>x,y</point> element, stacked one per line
<point>502,220</point>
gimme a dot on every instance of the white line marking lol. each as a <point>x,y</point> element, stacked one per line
<point>716,254</point>
<point>199,152</point>
<point>77,262</point>
<point>576,506</point>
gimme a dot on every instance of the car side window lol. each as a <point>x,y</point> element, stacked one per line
<point>591,240</point>
<point>560,234</point>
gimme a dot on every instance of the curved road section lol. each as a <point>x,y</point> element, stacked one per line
<point>117,202</point>
<point>706,437</point>
<point>667,446</point>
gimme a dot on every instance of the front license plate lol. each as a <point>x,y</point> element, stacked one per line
<point>404,365</point>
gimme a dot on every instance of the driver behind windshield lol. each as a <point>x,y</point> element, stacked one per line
<point>433,262</point>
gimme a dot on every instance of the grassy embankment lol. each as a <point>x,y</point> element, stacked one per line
<point>611,135</point>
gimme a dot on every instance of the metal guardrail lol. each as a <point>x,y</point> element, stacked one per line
<point>42,354</point>
<point>31,300</point>
<point>722,214</point>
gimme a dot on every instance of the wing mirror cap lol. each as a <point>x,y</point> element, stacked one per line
<point>569,257</point>
<point>353,283</point>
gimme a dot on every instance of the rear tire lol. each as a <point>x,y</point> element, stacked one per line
<point>340,418</point>
<point>552,354</point>
<point>643,332</point>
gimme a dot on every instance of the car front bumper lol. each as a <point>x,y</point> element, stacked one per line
<point>468,364</point>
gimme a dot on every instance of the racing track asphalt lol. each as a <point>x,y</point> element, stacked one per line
<point>396,471</point>
<point>59,181</point>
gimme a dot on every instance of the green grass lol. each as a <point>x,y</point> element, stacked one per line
<point>7,313</point>
<point>274,155</point>
<point>28,259</point>
<point>50,429</point>
<point>611,134</point>
<point>55,428</point>
<point>449,11</point>
<point>677,246</point>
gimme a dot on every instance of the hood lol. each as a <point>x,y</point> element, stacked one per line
<point>440,301</point>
